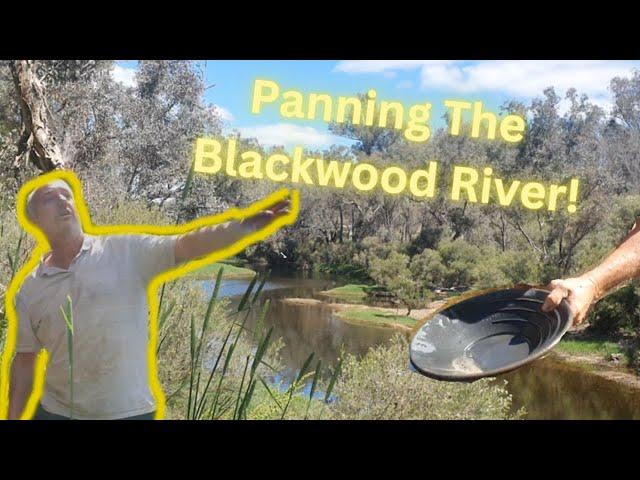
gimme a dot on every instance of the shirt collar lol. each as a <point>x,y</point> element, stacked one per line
<point>46,270</point>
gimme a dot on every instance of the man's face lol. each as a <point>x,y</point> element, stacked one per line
<point>53,209</point>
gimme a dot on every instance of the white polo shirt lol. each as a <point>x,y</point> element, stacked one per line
<point>107,283</point>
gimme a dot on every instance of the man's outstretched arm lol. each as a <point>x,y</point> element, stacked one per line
<point>581,292</point>
<point>206,240</point>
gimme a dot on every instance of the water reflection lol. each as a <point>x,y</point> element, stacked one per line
<point>306,329</point>
<point>547,388</point>
<point>551,389</point>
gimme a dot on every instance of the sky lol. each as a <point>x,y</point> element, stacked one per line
<point>408,81</point>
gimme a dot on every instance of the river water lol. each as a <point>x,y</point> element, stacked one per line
<point>548,388</point>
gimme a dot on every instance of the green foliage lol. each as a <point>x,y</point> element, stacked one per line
<point>619,309</point>
<point>213,366</point>
<point>350,291</point>
<point>599,347</point>
<point>498,269</point>
<point>375,316</point>
<point>428,268</point>
<point>453,264</point>
<point>393,272</point>
<point>230,271</point>
<point>269,405</point>
<point>460,258</point>
<point>338,258</point>
<point>381,386</point>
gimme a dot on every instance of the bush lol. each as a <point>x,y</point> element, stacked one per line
<point>381,386</point>
<point>393,272</point>
<point>338,258</point>
<point>428,269</point>
<point>460,259</point>
<point>498,268</point>
<point>619,309</point>
<point>453,264</point>
<point>127,212</point>
<point>373,248</point>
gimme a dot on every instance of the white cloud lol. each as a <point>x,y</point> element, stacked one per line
<point>224,113</point>
<point>126,76</point>
<point>519,78</point>
<point>605,103</point>
<point>526,78</point>
<point>381,66</point>
<point>288,134</point>
<point>405,84</point>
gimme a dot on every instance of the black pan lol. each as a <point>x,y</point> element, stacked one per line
<point>487,333</point>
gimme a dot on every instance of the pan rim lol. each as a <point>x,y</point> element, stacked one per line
<point>469,377</point>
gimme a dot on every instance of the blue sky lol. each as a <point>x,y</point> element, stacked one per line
<point>407,81</point>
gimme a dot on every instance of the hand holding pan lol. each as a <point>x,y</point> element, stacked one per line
<point>487,333</point>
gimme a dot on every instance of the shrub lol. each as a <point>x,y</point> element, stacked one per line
<point>381,386</point>
<point>498,268</point>
<point>619,309</point>
<point>428,269</point>
<point>393,272</point>
<point>338,258</point>
<point>460,258</point>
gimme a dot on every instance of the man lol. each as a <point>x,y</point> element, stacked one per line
<point>583,291</point>
<point>106,278</point>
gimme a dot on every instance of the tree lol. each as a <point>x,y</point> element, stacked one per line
<point>622,133</point>
<point>394,274</point>
<point>36,144</point>
<point>369,139</point>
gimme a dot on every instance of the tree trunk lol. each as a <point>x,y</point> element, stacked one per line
<point>36,144</point>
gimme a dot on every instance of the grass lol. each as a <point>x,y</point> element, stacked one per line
<point>231,272</point>
<point>373,316</point>
<point>602,348</point>
<point>348,291</point>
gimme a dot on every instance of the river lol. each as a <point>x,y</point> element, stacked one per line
<point>547,388</point>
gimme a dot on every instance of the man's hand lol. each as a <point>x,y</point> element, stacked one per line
<point>580,293</point>
<point>264,218</point>
<point>620,266</point>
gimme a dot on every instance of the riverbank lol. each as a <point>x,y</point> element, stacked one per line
<point>231,272</point>
<point>352,291</point>
<point>603,358</point>
<point>378,316</point>
<point>597,365</point>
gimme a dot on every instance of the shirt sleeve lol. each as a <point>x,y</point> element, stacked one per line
<point>27,341</point>
<point>153,254</point>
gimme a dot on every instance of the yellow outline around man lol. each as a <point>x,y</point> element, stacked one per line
<point>74,258</point>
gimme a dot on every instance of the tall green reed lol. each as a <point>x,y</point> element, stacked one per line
<point>213,394</point>
<point>67,314</point>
